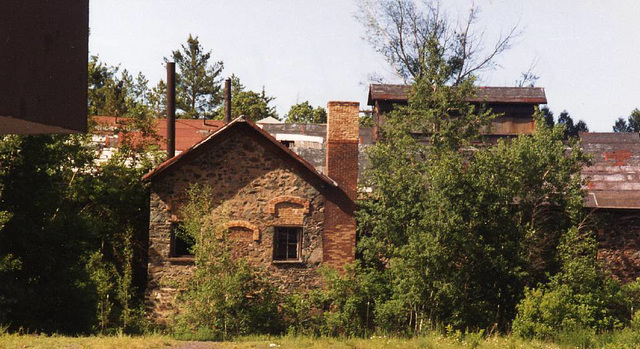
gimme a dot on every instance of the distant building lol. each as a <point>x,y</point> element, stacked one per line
<point>515,104</point>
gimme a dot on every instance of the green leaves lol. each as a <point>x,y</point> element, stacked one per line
<point>252,105</point>
<point>461,228</point>
<point>305,113</point>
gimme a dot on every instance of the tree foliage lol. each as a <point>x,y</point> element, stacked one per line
<point>448,235</point>
<point>113,94</point>
<point>441,223</point>
<point>305,113</point>
<point>198,82</point>
<point>403,30</point>
<point>66,248</point>
<point>250,104</point>
<point>631,124</point>
<point>579,296</point>
<point>571,128</point>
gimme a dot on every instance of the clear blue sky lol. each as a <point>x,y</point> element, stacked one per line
<point>587,51</point>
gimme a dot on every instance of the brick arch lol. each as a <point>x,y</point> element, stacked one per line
<point>286,214</point>
<point>289,199</point>
<point>246,225</point>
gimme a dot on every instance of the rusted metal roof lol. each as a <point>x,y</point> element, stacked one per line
<point>613,179</point>
<point>188,131</point>
<point>258,132</point>
<point>487,94</point>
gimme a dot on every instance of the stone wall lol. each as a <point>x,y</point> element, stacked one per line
<point>619,242</point>
<point>260,189</point>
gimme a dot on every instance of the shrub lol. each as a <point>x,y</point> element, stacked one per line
<point>344,307</point>
<point>581,296</point>
<point>226,297</point>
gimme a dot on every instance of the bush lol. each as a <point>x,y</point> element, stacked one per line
<point>226,297</point>
<point>581,296</point>
<point>344,307</point>
<point>543,312</point>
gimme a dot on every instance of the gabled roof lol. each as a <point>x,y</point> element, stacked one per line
<point>269,120</point>
<point>487,94</point>
<point>221,135</point>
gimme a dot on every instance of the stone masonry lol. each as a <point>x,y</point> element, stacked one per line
<point>260,190</point>
<point>619,242</point>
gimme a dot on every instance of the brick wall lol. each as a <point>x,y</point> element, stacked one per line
<point>260,190</point>
<point>342,166</point>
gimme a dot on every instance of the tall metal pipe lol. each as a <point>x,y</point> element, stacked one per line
<point>171,110</point>
<point>227,101</point>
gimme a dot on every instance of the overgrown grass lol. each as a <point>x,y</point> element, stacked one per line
<point>626,339</point>
<point>11,341</point>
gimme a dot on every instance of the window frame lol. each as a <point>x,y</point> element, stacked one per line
<point>277,230</point>
<point>172,245</point>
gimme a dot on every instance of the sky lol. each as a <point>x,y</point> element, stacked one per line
<point>586,53</point>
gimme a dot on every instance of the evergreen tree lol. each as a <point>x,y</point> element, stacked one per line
<point>631,124</point>
<point>113,94</point>
<point>158,100</point>
<point>571,129</point>
<point>198,82</point>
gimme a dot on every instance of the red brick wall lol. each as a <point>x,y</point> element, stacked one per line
<point>339,236</point>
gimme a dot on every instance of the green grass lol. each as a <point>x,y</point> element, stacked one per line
<point>626,339</point>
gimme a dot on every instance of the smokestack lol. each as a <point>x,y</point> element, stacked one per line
<point>171,110</point>
<point>339,237</point>
<point>227,100</point>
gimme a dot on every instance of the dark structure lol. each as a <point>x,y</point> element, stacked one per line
<point>43,66</point>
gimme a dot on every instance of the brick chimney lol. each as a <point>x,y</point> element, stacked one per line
<point>339,236</point>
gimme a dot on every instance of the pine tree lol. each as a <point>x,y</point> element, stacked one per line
<point>198,83</point>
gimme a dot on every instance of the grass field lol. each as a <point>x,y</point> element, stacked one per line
<point>620,340</point>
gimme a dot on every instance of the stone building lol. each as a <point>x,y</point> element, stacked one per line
<point>289,189</point>
<point>281,212</point>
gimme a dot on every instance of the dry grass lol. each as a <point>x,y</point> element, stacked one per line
<point>11,341</point>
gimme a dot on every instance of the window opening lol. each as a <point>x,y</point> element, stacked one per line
<point>286,242</point>
<point>181,242</point>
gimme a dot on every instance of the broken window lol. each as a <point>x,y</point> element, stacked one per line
<point>181,242</point>
<point>287,243</point>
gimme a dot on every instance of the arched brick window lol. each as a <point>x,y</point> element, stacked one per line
<point>245,225</point>
<point>290,210</point>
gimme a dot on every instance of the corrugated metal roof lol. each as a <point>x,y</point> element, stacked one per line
<point>614,177</point>
<point>488,94</point>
